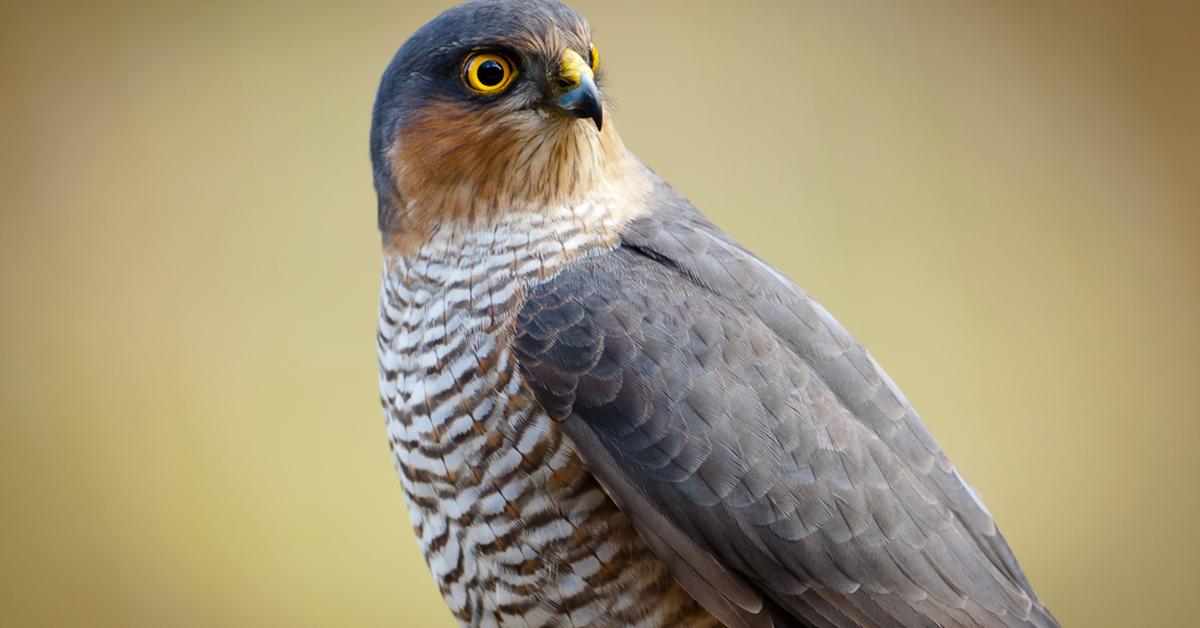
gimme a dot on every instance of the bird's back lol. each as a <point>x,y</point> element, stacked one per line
<point>513,502</point>
<point>755,444</point>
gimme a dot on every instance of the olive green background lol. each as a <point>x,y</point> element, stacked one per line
<point>1001,199</point>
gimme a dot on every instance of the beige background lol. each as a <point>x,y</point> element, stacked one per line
<point>1001,199</point>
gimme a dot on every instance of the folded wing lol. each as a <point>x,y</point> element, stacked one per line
<point>757,447</point>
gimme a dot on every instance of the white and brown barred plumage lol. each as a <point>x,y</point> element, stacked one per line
<point>606,412</point>
<point>512,524</point>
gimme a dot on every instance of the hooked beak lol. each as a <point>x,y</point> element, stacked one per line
<point>582,98</point>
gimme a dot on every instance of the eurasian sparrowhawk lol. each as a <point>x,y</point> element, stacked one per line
<point>607,412</point>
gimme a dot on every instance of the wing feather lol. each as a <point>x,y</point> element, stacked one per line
<point>757,447</point>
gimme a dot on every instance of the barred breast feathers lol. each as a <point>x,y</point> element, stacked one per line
<point>511,523</point>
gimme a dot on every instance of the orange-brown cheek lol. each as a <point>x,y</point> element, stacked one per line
<point>456,162</point>
<point>451,147</point>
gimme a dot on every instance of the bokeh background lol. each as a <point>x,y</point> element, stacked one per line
<point>1001,199</point>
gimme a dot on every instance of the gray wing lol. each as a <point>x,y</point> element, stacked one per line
<point>755,445</point>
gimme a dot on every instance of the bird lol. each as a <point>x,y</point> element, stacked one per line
<point>606,411</point>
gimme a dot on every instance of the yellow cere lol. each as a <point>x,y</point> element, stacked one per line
<point>488,72</point>
<point>574,68</point>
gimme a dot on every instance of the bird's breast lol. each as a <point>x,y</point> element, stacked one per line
<point>513,527</point>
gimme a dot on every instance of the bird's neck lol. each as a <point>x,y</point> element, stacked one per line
<point>592,199</point>
<point>576,180</point>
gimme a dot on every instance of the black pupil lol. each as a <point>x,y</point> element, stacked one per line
<point>490,73</point>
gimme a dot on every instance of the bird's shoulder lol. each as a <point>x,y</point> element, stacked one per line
<point>758,447</point>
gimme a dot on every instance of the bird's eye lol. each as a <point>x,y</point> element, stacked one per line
<point>488,73</point>
<point>595,60</point>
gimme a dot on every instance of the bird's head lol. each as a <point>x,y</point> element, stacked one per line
<point>494,106</point>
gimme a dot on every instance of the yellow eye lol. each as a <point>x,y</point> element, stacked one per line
<point>488,73</point>
<point>595,60</point>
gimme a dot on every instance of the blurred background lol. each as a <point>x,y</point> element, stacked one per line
<point>1002,200</point>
